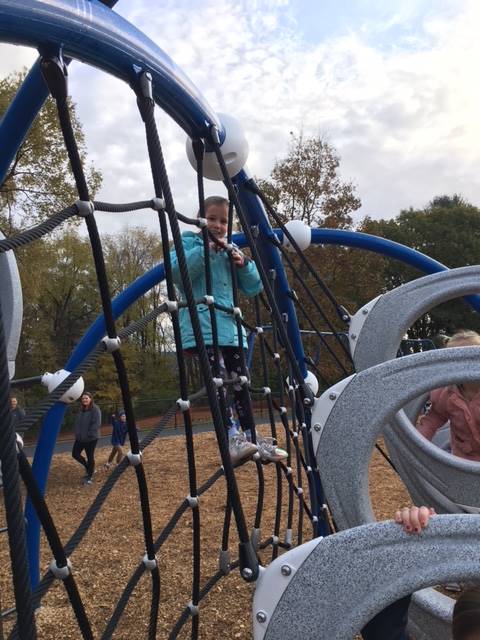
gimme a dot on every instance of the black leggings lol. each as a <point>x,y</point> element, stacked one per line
<point>89,448</point>
<point>231,368</point>
<point>389,624</point>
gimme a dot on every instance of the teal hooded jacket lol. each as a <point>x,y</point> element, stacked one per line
<point>248,282</point>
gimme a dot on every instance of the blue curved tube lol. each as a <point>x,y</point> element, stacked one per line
<point>93,33</point>
<point>53,420</point>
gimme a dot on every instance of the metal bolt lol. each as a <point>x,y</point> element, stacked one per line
<point>148,76</point>
<point>353,336</point>
<point>261,617</point>
<point>332,396</point>
<point>317,426</point>
<point>307,402</point>
<point>364,311</point>
<point>286,570</point>
<point>247,573</point>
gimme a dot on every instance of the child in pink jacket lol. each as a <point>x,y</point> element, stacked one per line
<point>458,403</point>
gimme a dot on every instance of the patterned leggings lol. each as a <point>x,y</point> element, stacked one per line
<point>230,369</point>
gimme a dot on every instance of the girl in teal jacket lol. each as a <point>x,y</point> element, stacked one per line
<point>249,283</point>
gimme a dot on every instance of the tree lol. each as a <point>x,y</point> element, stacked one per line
<point>39,181</point>
<point>306,185</point>
<point>448,230</point>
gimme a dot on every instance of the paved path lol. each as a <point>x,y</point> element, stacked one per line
<point>65,446</point>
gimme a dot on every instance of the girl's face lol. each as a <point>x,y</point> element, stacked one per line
<point>86,400</point>
<point>217,220</point>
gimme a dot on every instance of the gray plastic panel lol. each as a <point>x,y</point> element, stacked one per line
<point>380,330</point>
<point>345,440</point>
<point>430,615</point>
<point>12,305</point>
<point>348,578</point>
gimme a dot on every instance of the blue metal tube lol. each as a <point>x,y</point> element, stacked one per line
<point>91,32</point>
<point>20,115</point>
<point>53,420</point>
<point>272,260</point>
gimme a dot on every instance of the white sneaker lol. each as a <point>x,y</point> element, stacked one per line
<point>268,450</point>
<point>240,448</point>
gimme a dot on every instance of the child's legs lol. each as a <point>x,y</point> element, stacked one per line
<point>241,393</point>
<point>90,451</point>
<point>118,449</point>
<point>77,449</point>
<point>112,454</point>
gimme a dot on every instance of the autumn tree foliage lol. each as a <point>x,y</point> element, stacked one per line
<point>39,181</point>
<point>306,185</point>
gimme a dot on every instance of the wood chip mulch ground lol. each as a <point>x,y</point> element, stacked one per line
<point>114,546</point>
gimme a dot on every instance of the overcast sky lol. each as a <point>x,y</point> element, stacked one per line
<point>392,86</point>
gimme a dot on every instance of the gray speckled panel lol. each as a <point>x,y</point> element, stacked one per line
<point>367,403</point>
<point>351,576</point>
<point>430,615</point>
<point>387,322</point>
<point>442,480</point>
<point>12,304</point>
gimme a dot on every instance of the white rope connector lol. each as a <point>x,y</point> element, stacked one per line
<point>150,563</point>
<point>300,491</point>
<point>172,305</point>
<point>295,435</point>
<point>218,382</point>
<point>291,389</point>
<point>283,410</point>
<point>183,405</point>
<point>309,469</point>
<point>288,537</point>
<point>237,312</point>
<point>157,204</point>
<point>135,458</point>
<point>111,344</point>
<point>209,300</point>
<point>229,247</point>
<point>258,330</point>
<point>202,222</point>
<point>267,391</point>
<point>84,208</point>
<point>275,540</point>
<point>276,356</point>
<point>243,380</point>
<point>60,572</point>
<point>256,456</point>
<point>19,442</point>
<point>289,471</point>
<point>314,518</point>
<point>192,501</point>
<point>193,608</point>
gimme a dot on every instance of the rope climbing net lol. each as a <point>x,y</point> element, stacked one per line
<point>289,405</point>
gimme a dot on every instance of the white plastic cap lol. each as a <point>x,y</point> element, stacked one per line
<point>52,380</point>
<point>312,381</point>
<point>234,150</point>
<point>300,232</point>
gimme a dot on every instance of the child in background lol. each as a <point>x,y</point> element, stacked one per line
<point>466,616</point>
<point>249,283</point>
<point>119,433</point>
<point>460,404</point>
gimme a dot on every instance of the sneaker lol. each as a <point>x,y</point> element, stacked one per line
<point>240,448</point>
<point>268,450</point>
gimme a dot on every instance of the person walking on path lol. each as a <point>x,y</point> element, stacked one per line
<point>119,433</point>
<point>16,411</point>
<point>87,430</point>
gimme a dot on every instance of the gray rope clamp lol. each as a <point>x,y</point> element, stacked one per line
<point>111,344</point>
<point>135,458</point>
<point>218,382</point>
<point>283,410</point>
<point>202,223</point>
<point>192,501</point>
<point>237,312</point>
<point>243,380</point>
<point>209,300</point>
<point>183,405</point>
<point>85,208</point>
<point>19,443</point>
<point>61,573</point>
<point>258,330</point>
<point>172,305</point>
<point>145,84</point>
<point>267,391</point>
<point>158,204</point>
<point>276,356</point>
<point>193,608</point>
<point>150,563</point>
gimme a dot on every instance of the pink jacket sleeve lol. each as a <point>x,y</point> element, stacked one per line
<point>431,421</point>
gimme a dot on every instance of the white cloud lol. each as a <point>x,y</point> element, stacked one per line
<point>403,114</point>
